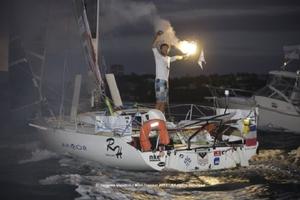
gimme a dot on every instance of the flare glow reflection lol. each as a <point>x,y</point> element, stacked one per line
<point>187,47</point>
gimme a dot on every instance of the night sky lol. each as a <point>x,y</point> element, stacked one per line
<point>237,36</point>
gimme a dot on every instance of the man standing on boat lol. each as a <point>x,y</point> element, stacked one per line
<point>162,62</point>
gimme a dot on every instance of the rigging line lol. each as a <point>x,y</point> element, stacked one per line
<point>26,72</point>
<point>26,60</point>
<point>67,31</point>
<point>44,55</point>
<point>22,60</point>
<point>56,93</point>
<point>26,106</point>
<point>36,79</point>
<point>61,109</point>
<point>31,70</point>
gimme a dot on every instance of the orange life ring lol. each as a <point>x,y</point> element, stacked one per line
<point>155,124</point>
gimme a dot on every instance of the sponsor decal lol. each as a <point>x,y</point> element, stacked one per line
<point>251,142</point>
<point>252,128</point>
<point>187,161</point>
<point>110,147</point>
<point>216,160</point>
<point>75,146</point>
<point>202,158</point>
<point>120,125</point>
<point>217,153</point>
<point>202,154</point>
<point>161,164</point>
<point>154,158</point>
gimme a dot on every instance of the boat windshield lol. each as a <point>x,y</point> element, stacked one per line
<point>278,87</point>
<point>283,84</point>
<point>295,96</point>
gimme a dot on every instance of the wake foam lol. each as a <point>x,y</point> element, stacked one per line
<point>39,155</point>
<point>70,179</point>
<point>95,181</point>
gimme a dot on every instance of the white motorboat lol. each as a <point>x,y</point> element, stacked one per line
<point>278,102</point>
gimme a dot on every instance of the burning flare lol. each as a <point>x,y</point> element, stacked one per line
<point>188,48</point>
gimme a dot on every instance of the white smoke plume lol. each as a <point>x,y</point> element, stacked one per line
<point>118,13</point>
<point>169,35</point>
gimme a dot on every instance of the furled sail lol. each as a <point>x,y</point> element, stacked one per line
<point>87,41</point>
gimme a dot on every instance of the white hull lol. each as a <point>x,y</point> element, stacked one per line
<point>277,115</point>
<point>124,156</point>
<point>277,121</point>
<point>123,151</point>
<point>95,148</point>
<point>205,159</point>
<point>281,118</point>
<point>236,102</point>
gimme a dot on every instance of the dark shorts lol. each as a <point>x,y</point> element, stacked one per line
<point>161,90</point>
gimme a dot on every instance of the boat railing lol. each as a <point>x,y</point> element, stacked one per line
<point>189,111</point>
<point>207,123</point>
<point>174,113</point>
<point>234,92</point>
<point>186,110</point>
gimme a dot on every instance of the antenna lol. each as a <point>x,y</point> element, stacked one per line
<point>97,33</point>
<point>226,92</point>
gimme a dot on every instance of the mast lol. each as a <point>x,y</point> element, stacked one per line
<point>100,89</point>
<point>4,66</point>
<point>89,47</point>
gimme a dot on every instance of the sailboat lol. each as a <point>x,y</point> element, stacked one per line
<point>141,138</point>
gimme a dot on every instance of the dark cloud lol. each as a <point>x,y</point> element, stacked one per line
<point>237,35</point>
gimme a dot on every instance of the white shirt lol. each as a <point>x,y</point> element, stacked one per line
<point>162,64</point>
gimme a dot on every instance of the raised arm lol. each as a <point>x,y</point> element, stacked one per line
<point>174,58</point>
<point>156,39</point>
